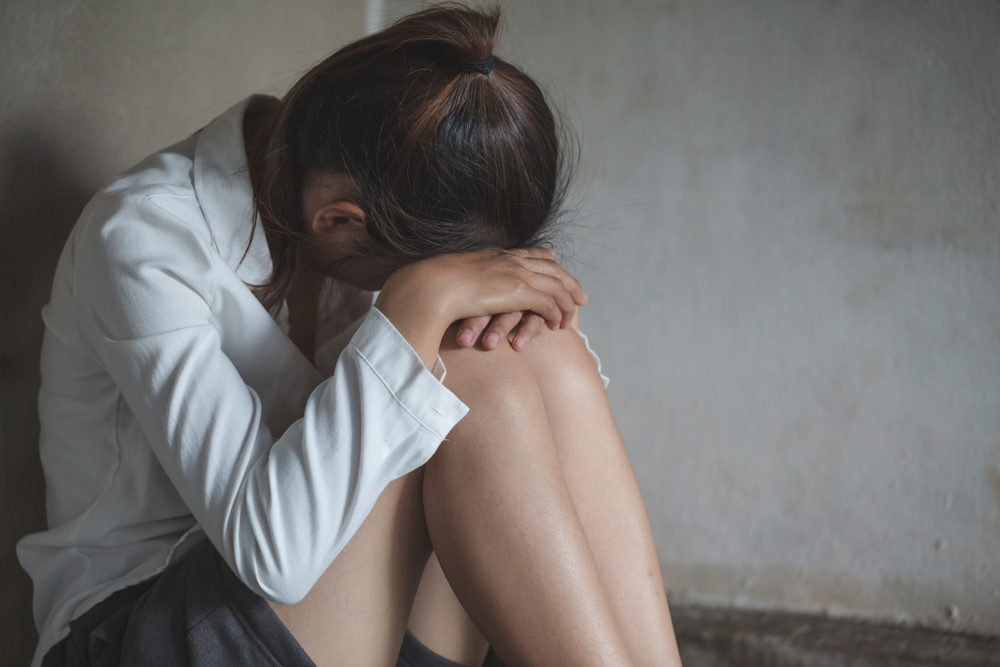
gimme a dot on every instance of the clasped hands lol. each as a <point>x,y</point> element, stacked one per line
<point>493,295</point>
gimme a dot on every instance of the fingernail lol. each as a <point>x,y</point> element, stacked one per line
<point>491,340</point>
<point>465,337</point>
<point>518,342</point>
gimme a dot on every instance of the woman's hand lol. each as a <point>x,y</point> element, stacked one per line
<point>490,331</point>
<point>518,328</point>
<point>424,298</point>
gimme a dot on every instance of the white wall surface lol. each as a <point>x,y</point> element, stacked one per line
<point>789,229</point>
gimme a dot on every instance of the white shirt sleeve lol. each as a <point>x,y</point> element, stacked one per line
<point>278,507</point>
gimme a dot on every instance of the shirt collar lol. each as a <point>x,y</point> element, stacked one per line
<point>222,187</point>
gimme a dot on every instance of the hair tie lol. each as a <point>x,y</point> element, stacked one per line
<point>481,66</point>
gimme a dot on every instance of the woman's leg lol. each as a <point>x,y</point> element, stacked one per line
<point>503,526</point>
<point>605,493</point>
<point>606,497</point>
<point>356,612</point>
<point>497,509</point>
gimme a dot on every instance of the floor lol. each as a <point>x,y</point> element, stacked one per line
<point>718,637</point>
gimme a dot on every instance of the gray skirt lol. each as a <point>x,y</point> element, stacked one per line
<point>197,613</point>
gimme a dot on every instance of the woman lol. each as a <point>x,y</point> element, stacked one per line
<point>248,462</point>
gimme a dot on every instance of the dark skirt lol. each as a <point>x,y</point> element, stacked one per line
<point>197,613</point>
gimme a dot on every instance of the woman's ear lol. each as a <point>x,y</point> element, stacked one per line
<point>337,217</point>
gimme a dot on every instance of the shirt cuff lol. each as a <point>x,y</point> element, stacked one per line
<point>439,371</point>
<point>399,367</point>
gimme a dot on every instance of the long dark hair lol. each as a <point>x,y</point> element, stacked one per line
<point>445,159</point>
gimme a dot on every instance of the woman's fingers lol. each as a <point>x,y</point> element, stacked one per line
<point>560,311</point>
<point>533,295</point>
<point>469,330</point>
<point>552,268</point>
<point>531,324</point>
<point>542,260</point>
<point>498,330</point>
<point>517,328</point>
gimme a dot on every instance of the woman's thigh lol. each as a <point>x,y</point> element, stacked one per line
<point>356,612</point>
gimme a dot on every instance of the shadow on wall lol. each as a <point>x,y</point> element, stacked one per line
<point>42,191</point>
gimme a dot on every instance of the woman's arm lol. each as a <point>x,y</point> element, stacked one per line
<point>424,298</point>
<point>278,506</point>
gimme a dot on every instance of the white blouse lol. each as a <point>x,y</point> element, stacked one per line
<point>174,407</point>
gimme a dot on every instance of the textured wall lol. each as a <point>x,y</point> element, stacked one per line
<point>87,90</point>
<point>789,228</point>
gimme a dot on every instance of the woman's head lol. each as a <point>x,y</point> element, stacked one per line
<point>449,147</point>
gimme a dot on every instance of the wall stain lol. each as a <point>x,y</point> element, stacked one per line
<point>894,222</point>
<point>872,370</point>
<point>838,401</point>
<point>993,475</point>
<point>873,287</point>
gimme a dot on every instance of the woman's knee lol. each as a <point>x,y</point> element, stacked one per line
<point>561,362</point>
<point>493,383</point>
<point>554,364</point>
<point>506,423</point>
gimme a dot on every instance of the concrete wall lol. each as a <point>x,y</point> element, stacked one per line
<point>789,228</point>
<point>789,225</point>
<point>86,90</point>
